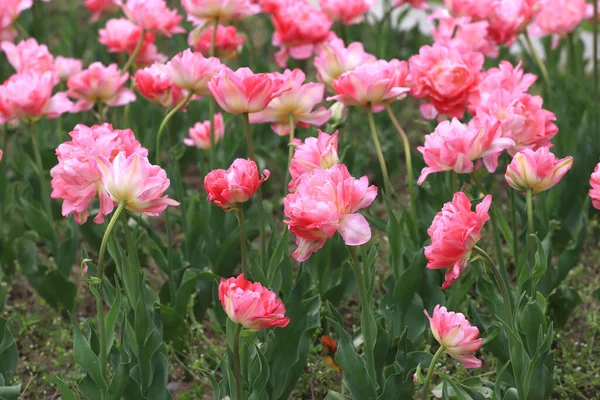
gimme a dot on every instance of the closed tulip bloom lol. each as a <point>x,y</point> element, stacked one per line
<point>454,146</point>
<point>315,153</point>
<point>228,43</point>
<point>537,170</point>
<point>251,305</point>
<point>192,71</point>
<point>99,8</point>
<point>155,85</point>
<point>76,179</point>
<point>9,12</point>
<point>133,180</point>
<point>347,11</point>
<point>595,190</point>
<point>454,232</point>
<point>28,97</point>
<point>153,16</point>
<point>445,76</point>
<point>201,11</point>
<point>298,102</point>
<point>333,59</point>
<point>121,36</point>
<point>459,338</point>
<point>99,83</point>
<point>228,188</point>
<point>243,91</point>
<point>377,83</point>
<point>28,55</point>
<point>325,202</point>
<point>66,67</point>
<point>199,134</point>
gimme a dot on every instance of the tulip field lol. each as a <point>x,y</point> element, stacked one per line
<point>299,199</point>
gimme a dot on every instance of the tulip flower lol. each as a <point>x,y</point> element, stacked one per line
<point>155,85</point>
<point>537,170</point>
<point>199,134</point>
<point>99,8</point>
<point>558,17</point>
<point>153,16</point>
<point>595,190</point>
<point>333,59</point>
<point>463,32</point>
<point>201,11</point>
<point>9,12</point>
<point>192,71</point>
<point>314,153</point>
<point>346,11</point>
<point>417,4</point>
<point>228,43</point>
<point>454,233</point>
<point>28,55</point>
<point>66,67</point>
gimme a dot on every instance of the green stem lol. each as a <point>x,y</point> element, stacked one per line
<point>40,170</point>
<point>213,38</point>
<point>239,213</point>
<point>164,122</point>
<point>22,32</point>
<point>538,60</point>
<point>135,53</point>
<point>384,172</point>
<point>100,298</point>
<point>531,239</point>
<point>515,231</point>
<point>290,149</point>
<point>237,369</point>
<point>502,284</point>
<point>261,212</point>
<point>408,158</point>
<point>430,370</point>
<point>133,261</point>
<point>369,340</point>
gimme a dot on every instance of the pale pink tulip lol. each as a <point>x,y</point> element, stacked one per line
<point>153,16</point>
<point>445,76</point>
<point>155,85</point>
<point>251,305</point>
<point>454,232</point>
<point>243,91</point>
<point>133,180</point>
<point>66,67</point>
<point>227,41</point>
<point>505,77</point>
<point>199,134</point>
<point>228,188</point>
<point>98,83</point>
<point>9,12</point>
<point>595,190</point>
<point>325,202</point>
<point>462,32</point>
<point>346,11</point>
<point>454,146</point>
<point>558,17</point>
<point>459,338</point>
<point>122,36</point>
<point>314,153</point>
<point>374,84</point>
<point>28,55</point>
<point>536,170</point>
<point>201,11</point>
<point>333,59</point>
<point>28,97</point>
<point>76,179</point>
<point>99,8</point>
<point>476,9</point>
<point>192,71</point>
<point>510,18</point>
<point>297,104</point>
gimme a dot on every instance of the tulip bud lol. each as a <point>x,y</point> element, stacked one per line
<point>339,113</point>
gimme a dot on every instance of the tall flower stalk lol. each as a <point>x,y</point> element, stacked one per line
<point>382,165</point>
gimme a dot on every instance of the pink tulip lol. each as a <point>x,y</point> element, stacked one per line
<point>201,11</point>
<point>558,17</point>
<point>595,190</point>
<point>510,18</point>
<point>122,36</point>
<point>28,55</point>
<point>333,59</point>
<point>375,84</point>
<point>192,71</point>
<point>589,11</point>
<point>227,41</point>
<point>454,232</point>
<point>251,305</point>
<point>243,91</point>
<point>297,103</point>
<point>462,32</point>
<point>418,4</point>
<point>476,9</point>
<point>326,202</point>
<point>347,11</point>
<point>66,67</point>
<point>445,76</point>
<point>1,154</point>
<point>133,180</point>
<point>536,170</point>
<point>76,179</point>
<point>9,12</point>
<point>99,8</point>
<point>454,332</point>
<point>299,30</point>
<point>228,188</point>
<point>99,84</point>
<point>153,16</point>
<point>314,153</point>
<point>200,133</point>
<point>155,85</point>
<point>506,77</point>
<point>28,97</point>
<point>455,146</point>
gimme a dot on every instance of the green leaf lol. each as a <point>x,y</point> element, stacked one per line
<point>541,262</point>
<point>331,395</point>
<point>118,382</point>
<point>259,375</point>
<point>86,358</point>
<point>185,291</point>
<point>111,318</point>
<point>175,328</point>
<point>9,353</point>
<point>65,391</point>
